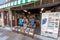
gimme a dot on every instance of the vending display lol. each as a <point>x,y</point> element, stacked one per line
<point>50,24</point>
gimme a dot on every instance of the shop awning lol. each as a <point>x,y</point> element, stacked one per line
<point>15,3</point>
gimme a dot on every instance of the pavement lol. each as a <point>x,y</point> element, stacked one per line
<point>7,34</point>
<point>45,38</point>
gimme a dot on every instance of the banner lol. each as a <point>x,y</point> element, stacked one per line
<point>50,24</point>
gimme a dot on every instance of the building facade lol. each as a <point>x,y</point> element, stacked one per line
<point>13,9</point>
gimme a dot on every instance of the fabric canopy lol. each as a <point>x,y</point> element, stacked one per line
<point>15,3</point>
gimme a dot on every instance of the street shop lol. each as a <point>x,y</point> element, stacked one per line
<point>26,21</point>
<point>25,16</point>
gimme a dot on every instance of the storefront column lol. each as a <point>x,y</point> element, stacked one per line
<point>10,17</point>
<point>2,18</point>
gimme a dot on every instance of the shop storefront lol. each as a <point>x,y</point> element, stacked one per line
<point>31,11</point>
<point>32,17</point>
<point>12,17</point>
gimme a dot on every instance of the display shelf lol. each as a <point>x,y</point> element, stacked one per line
<point>28,31</point>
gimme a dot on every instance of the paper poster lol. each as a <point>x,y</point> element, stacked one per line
<point>50,24</point>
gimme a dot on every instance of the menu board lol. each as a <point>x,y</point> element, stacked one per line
<point>50,24</point>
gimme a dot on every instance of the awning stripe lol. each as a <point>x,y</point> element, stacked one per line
<point>17,2</point>
<point>21,1</point>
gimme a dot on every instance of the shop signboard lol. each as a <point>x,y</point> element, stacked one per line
<point>50,24</point>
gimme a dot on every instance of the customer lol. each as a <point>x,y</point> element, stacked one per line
<point>32,20</point>
<point>25,22</point>
<point>20,22</point>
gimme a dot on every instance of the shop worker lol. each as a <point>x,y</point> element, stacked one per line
<point>32,20</point>
<point>20,22</point>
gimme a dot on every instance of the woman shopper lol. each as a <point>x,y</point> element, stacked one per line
<point>25,22</point>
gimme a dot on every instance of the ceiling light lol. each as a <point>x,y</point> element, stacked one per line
<point>25,10</point>
<point>28,12</point>
<point>42,9</point>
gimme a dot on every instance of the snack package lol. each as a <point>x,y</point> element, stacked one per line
<point>31,31</point>
<point>27,30</point>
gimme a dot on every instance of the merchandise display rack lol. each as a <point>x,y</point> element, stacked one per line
<point>28,31</point>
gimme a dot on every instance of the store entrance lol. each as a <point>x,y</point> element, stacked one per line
<point>33,14</point>
<point>6,18</point>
